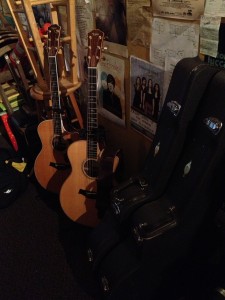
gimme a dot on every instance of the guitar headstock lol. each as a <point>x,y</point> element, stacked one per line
<point>53,41</point>
<point>95,42</point>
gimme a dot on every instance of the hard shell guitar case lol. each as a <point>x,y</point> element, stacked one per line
<point>187,89</point>
<point>164,234</point>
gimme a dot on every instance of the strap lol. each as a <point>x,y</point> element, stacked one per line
<point>9,131</point>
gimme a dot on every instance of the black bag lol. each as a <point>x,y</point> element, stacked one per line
<point>186,92</point>
<point>12,181</point>
<point>164,234</point>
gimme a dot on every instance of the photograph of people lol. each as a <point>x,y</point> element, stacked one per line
<point>156,100</point>
<point>143,91</point>
<point>147,97</point>
<point>111,101</point>
<point>137,93</point>
<point>111,19</point>
<point>148,105</point>
<point>103,86</point>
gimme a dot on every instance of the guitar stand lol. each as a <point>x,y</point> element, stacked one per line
<point>33,45</point>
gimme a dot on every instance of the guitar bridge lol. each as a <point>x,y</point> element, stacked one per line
<point>59,166</point>
<point>88,194</point>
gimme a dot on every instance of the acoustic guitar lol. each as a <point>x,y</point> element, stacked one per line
<point>51,166</point>
<point>77,195</point>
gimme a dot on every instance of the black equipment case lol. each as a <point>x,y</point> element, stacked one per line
<point>164,234</point>
<point>186,91</point>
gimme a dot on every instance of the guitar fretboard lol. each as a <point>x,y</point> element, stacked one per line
<point>54,89</point>
<point>92,117</point>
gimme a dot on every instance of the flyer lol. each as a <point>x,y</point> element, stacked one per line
<point>146,82</point>
<point>111,89</point>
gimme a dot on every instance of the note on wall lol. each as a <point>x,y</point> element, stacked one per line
<point>209,35</point>
<point>179,9</point>
<point>215,8</point>
<point>172,38</point>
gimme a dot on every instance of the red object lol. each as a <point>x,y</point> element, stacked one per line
<point>9,131</point>
<point>45,27</point>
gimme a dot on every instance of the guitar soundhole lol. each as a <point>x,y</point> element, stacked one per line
<point>91,168</point>
<point>59,143</point>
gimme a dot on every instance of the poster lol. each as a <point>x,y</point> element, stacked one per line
<point>111,89</point>
<point>111,19</point>
<point>146,83</point>
<point>139,18</point>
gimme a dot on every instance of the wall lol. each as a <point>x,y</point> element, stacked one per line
<point>134,145</point>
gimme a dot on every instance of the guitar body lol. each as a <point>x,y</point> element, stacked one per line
<point>74,204</point>
<point>51,166</point>
<point>79,192</point>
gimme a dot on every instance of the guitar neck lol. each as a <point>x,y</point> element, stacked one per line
<point>92,114</point>
<point>54,89</point>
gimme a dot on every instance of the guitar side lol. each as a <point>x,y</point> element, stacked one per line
<point>75,205</point>
<point>48,176</point>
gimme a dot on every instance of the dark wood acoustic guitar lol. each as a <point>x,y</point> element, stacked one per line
<point>51,166</point>
<point>77,195</point>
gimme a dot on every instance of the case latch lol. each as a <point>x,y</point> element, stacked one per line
<point>174,107</point>
<point>213,124</point>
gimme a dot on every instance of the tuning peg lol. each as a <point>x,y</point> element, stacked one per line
<point>104,49</point>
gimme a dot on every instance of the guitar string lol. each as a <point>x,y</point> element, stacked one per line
<point>92,114</point>
<point>54,90</point>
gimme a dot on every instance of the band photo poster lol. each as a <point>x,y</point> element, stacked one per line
<point>111,95</point>
<point>146,84</point>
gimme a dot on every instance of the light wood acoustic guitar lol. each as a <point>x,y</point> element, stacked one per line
<point>77,195</point>
<point>51,166</point>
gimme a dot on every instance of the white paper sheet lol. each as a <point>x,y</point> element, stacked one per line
<point>172,38</point>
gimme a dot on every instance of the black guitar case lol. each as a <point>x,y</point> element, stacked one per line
<point>186,91</point>
<point>165,234</point>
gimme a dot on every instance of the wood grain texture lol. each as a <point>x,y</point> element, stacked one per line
<point>49,177</point>
<point>76,206</point>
